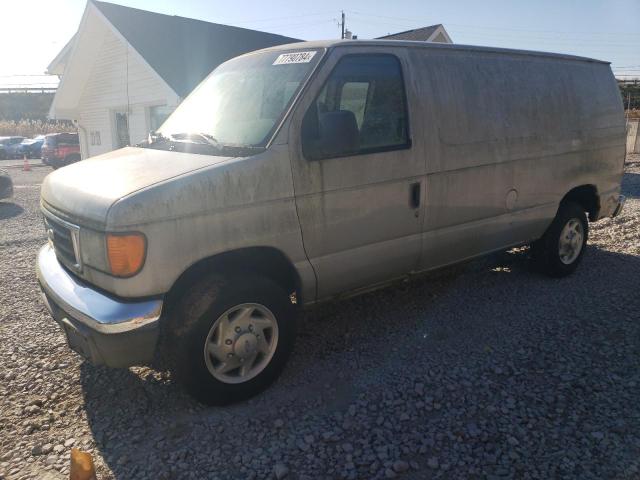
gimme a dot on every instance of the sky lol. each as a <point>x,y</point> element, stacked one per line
<point>34,31</point>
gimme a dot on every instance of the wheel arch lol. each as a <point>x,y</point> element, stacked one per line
<point>587,197</point>
<point>267,261</point>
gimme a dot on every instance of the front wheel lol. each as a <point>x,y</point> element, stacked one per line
<point>230,337</point>
<point>561,248</point>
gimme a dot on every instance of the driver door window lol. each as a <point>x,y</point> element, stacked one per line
<point>361,109</point>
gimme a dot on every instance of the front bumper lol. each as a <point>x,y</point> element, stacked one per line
<point>101,328</point>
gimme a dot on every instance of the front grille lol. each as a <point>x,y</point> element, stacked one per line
<point>63,236</point>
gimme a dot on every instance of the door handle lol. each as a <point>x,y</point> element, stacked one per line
<point>414,195</point>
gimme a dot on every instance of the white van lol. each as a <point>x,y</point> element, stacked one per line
<point>304,172</point>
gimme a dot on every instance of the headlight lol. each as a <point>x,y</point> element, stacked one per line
<point>126,253</point>
<point>93,250</point>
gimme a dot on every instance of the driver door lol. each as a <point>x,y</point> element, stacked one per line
<point>359,192</point>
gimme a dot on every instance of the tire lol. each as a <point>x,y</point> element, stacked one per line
<point>199,320</point>
<point>562,246</point>
<point>73,158</point>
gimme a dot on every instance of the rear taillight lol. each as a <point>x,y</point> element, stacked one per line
<point>63,151</point>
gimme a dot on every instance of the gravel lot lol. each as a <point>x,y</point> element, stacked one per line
<point>482,371</point>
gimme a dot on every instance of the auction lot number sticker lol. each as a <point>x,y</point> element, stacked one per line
<point>297,57</point>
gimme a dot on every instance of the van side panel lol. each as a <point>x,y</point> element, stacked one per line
<point>508,135</point>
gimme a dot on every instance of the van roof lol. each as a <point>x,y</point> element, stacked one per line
<point>431,45</point>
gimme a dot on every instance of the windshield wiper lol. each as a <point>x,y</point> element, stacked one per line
<point>156,137</point>
<point>210,139</point>
<point>188,137</point>
<point>201,141</point>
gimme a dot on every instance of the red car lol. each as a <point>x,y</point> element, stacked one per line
<point>60,149</point>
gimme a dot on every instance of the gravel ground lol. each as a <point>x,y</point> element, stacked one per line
<point>482,371</point>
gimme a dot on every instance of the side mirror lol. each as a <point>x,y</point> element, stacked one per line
<point>329,134</point>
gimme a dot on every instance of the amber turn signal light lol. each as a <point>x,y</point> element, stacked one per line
<point>126,253</point>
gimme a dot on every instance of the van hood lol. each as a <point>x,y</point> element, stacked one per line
<point>87,189</point>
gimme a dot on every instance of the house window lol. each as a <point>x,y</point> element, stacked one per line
<point>95,138</point>
<point>157,116</point>
<point>121,129</point>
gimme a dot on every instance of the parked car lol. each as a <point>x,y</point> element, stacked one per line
<point>6,184</point>
<point>9,147</point>
<point>31,147</point>
<point>353,164</point>
<point>60,149</point>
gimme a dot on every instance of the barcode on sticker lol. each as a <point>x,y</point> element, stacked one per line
<point>297,57</point>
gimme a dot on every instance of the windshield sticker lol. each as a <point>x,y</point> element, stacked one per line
<point>297,57</point>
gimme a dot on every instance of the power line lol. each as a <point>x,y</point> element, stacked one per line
<point>595,46</point>
<point>417,19</point>
<point>279,18</point>
<point>289,25</point>
<point>509,36</point>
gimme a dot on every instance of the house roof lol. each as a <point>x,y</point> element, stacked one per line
<point>182,50</point>
<point>418,34</point>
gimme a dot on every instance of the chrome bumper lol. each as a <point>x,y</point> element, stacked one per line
<point>619,206</point>
<point>103,329</point>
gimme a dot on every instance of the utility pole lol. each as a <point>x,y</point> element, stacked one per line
<point>342,25</point>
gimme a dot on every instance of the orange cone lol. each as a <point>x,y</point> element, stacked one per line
<point>25,166</point>
<point>82,467</point>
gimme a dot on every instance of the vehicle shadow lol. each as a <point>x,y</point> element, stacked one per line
<point>354,348</point>
<point>9,210</point>
<point>631,185</point>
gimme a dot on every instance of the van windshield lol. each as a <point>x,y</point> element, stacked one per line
<point>241,102</point>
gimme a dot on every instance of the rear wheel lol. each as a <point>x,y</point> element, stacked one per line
<point>229,337</point>
<point>562,247</point>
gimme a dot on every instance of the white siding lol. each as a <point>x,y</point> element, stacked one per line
<point>633,136</point>
<point>440,38</point>
<point>106,91</point>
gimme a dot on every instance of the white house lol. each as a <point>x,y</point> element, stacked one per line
<point>126,69</point>
<point>433,33</point>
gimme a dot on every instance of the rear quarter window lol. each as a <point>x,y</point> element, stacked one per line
<point>68,139</point>
<point>61,139</point>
